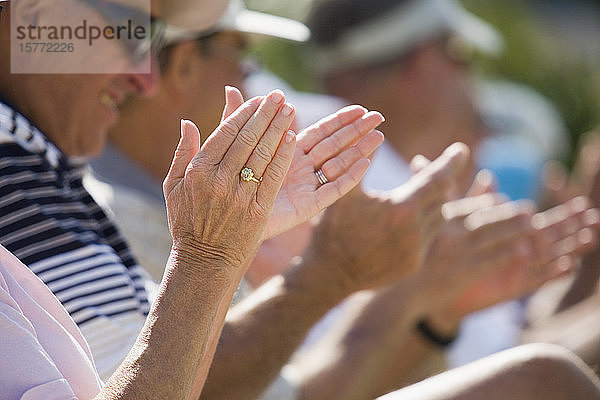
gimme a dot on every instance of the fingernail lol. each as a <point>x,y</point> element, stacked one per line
<point>455,148</point>
<point>182,125</point>
<point>585,236</point>
<point>485,177</point>
<point>276,96</point>
<point>287,110</point>
<point>380,115</point>
<point>290,136</point>
<point>579,204</point>
<point>565,264</point>
<point>591,217</point>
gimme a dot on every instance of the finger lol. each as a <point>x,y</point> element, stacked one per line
<point>493,226</point>
<point>336,166</point>
<point>550,252</point>
<point>249,136</point>
<point>267,146</point>
<point>462,208</point>
<point>578,243</point>
<point>567,219</point>
<point>418,163</point>
<point>555,182</point>
<point>344,137</point>
<point>332,191</point>
<point>275,173</point>
<point>483,182</point>
<point>575,244</point>
<point>233,100</point>
<point>315,133</point>
<point>438,176</point>
<point>551,270</point>
<point>560,213</point>
<point>185,152</point>
<point>219,142</point>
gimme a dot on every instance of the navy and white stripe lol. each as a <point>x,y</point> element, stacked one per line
<point>51,223</point>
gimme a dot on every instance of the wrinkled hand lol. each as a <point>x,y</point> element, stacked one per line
<point>212,212</point>
<point>339,145</point>
<point>369,241</point>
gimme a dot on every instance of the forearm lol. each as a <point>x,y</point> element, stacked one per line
<point>372,348</point>
<point>263,331</point>
<point>577,329</point>
<point>178,340</point>
<point>522,373</point>
<point>416,359</point>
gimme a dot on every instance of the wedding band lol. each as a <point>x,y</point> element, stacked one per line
<point>247,175</point>
<point>321,177</point>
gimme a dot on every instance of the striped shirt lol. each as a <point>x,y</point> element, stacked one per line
<point>51,223</point>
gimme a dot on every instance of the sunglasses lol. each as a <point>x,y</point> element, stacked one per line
<point>123,16</point>
<point>233,51</point>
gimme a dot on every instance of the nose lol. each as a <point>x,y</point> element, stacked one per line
<point>146,84</point>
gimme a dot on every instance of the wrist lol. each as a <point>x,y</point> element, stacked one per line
<point>199,265</point>
<point>309,275</point>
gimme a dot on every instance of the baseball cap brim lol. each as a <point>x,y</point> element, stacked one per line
<point>238,18</point>
<point>399,30</point>
<point>474,30</point>
<point>246,21</point>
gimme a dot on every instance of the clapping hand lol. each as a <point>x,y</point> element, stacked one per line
<point>368,241</point>
<point>338,146</point>
<point>220,196</point>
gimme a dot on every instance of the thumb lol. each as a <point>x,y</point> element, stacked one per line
<point>186,150</point>
<point>418,163</point>
<point>484,183</point>
<point>233,100</point>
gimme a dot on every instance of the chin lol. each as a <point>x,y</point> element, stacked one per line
<point>92,145</point>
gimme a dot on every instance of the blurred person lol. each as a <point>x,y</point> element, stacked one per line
<point>410,59</point>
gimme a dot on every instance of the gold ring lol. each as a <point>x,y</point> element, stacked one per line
<point>247,175</point>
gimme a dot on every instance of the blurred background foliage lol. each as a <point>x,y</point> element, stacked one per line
<point>552,46</point>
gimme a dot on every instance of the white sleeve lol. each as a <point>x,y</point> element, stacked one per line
<point>27,372</point>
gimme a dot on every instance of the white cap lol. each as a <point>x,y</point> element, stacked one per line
<point>239,19</point>
<point>402,28</point>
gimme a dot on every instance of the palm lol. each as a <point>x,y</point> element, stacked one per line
<point>297,201</point>
<point>339,145</point>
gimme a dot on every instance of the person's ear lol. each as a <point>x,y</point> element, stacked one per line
<point>184,67</point>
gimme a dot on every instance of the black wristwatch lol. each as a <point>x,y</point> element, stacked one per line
<point>434,337</point>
